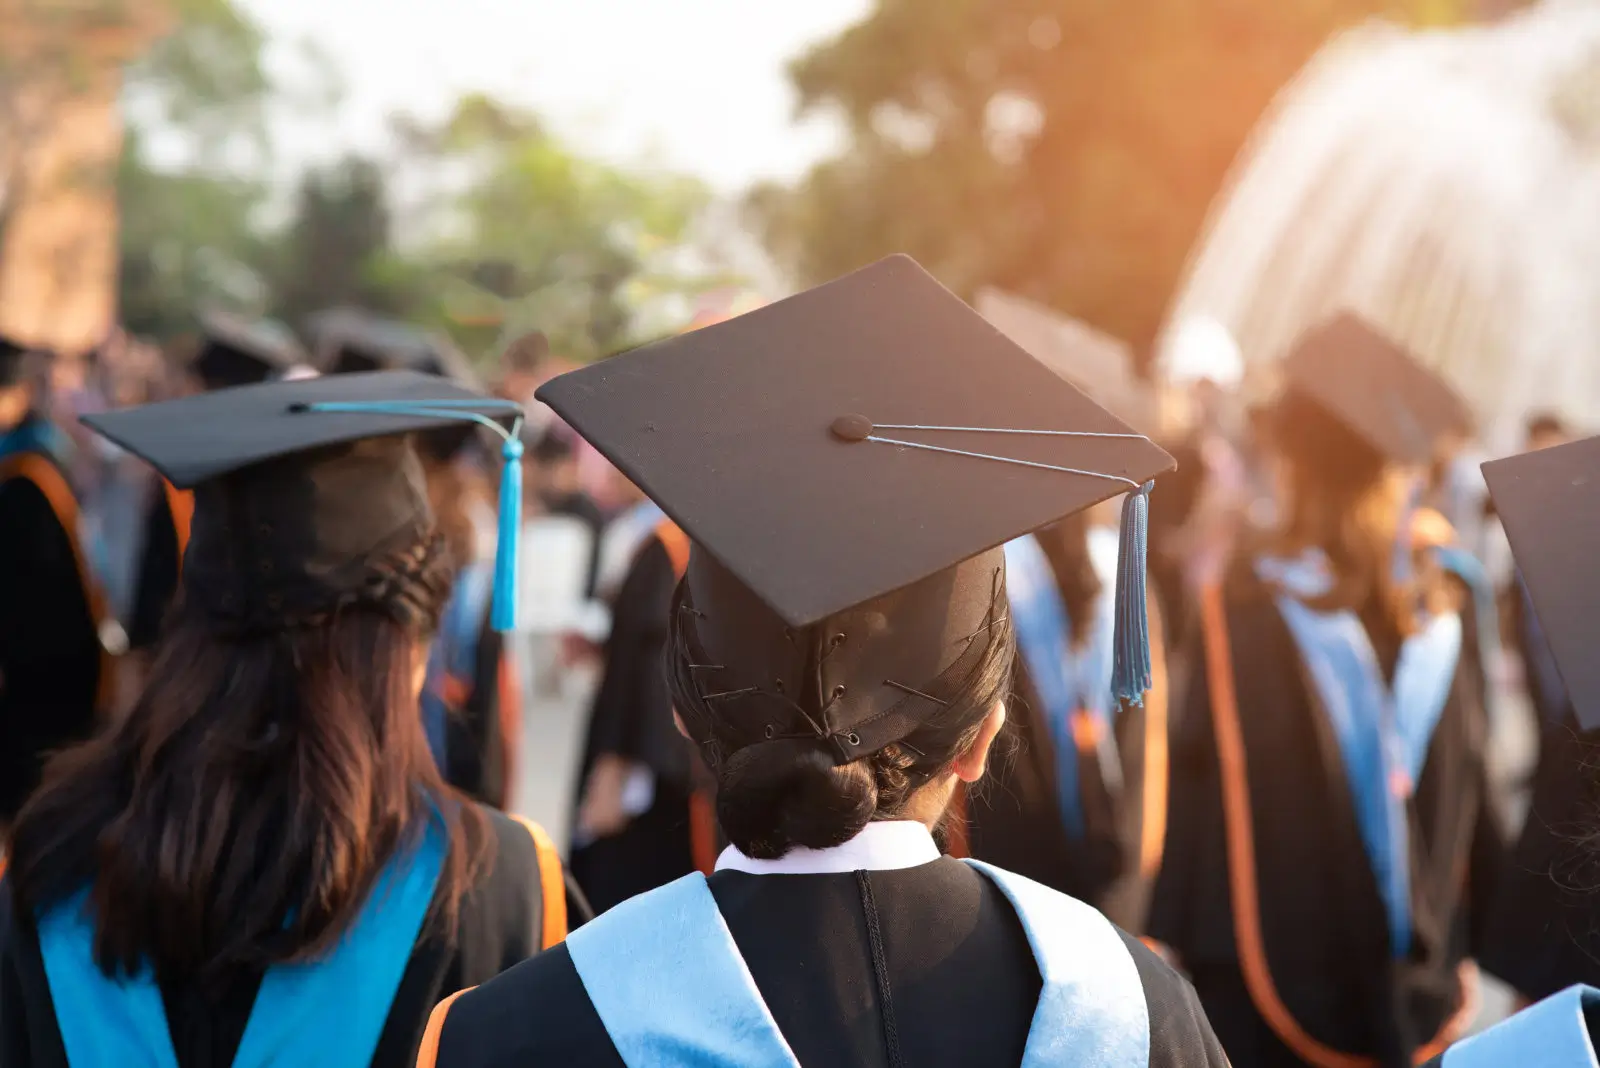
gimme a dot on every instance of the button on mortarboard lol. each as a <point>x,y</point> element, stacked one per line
<point>1549,502</point>
<point>1372,385</point>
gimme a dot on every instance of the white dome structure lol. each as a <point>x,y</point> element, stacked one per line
<point>1443,184</point>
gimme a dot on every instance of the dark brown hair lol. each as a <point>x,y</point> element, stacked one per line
<point>786,792</point>
<point>1339,502</point>
<point>240,813</point>
<point>451,490</point>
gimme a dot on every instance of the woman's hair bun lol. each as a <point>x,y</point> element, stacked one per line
<point>775,795</point>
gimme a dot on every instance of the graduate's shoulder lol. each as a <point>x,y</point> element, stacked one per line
<point>1180,1034</point>
<point>534,1013</point>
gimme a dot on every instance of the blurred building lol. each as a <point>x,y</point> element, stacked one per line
<point>60,136</point>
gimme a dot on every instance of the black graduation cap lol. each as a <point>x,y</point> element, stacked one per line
<point>13,361</point>
<point>854,453</point>
<point>235,352</point>
<point>305,487</point>
<point>1549,503</point>
<point>352,340</point>
<point>1372,385</point>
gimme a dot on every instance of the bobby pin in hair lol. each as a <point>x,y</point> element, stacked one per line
<point>706,667</point>
<point>916,692</point>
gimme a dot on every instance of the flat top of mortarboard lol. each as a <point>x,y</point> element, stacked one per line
<point>767,438</point>
<point>1549,503</point>
<point>389,345</point>
<point>194,439</point>
<point>1376,388</point>
<point>261,340</point>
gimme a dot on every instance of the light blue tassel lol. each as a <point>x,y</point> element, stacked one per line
<point>1130,662</point>
<point>503,616</point>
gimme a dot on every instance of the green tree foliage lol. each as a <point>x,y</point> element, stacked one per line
<point>1063,149</point>
<point>533,234</point>
<point>335,247</point>
<point>187,241</point>
<point>189,236</point>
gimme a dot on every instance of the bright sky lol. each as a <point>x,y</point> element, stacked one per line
<point>696,85</point>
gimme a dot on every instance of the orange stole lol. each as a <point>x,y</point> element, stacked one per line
<point>181,504</point>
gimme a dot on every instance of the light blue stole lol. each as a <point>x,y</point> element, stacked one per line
<point>329,1012</point>
<point>1551,1034</point>
<point>1066,679</point>
<point>665,976</point>
<point>1383,735</point>
<point>35,434</point>
<point>455,652</point>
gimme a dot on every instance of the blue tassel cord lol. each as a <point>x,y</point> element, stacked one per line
<point>1130,662</point>
<point>503,617</point>
<point>503,614</point>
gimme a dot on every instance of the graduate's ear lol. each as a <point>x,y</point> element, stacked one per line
<point>970,766</point>
<point>677,721</point>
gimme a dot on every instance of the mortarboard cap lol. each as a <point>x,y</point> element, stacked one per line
<point>1549,503</point>
<point>1372,385</point>
<point>851,455</point>
<point>307,489</point>
<point>234,352</point>
<point>13,362</point>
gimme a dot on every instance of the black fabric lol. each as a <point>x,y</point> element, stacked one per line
<point>475,739</point>
<point>194,439</point>
<point>288,542</point>
<point>498,927</point>
<point>13,362</point>
<point>50,654</point>
<point>1014,817</point>
<point>631,717</point>
<point>1376,388</point>
<point>156,582</point>
<point>1549,503</point>
<point>234,352</point>
<point>1322,918</point>
<point>806,520</point>
<point>962,976</point>
<point>1543,933</point>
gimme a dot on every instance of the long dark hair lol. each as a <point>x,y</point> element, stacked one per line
<point>778,794</point>
<point>240,813</point>
<point>1340,503</point>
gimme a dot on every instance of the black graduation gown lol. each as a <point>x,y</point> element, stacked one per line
<point>960,978</point>
<point>499,925</point>
<point>1321,916</point>
<point>156,583</point>
<point>1014,819</point>
<point>1543,933</point>
<point>632,718</point>
<point>50,653</point>
<point>478,749</point>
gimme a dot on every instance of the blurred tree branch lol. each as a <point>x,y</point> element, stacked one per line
<point>1066,150</point>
